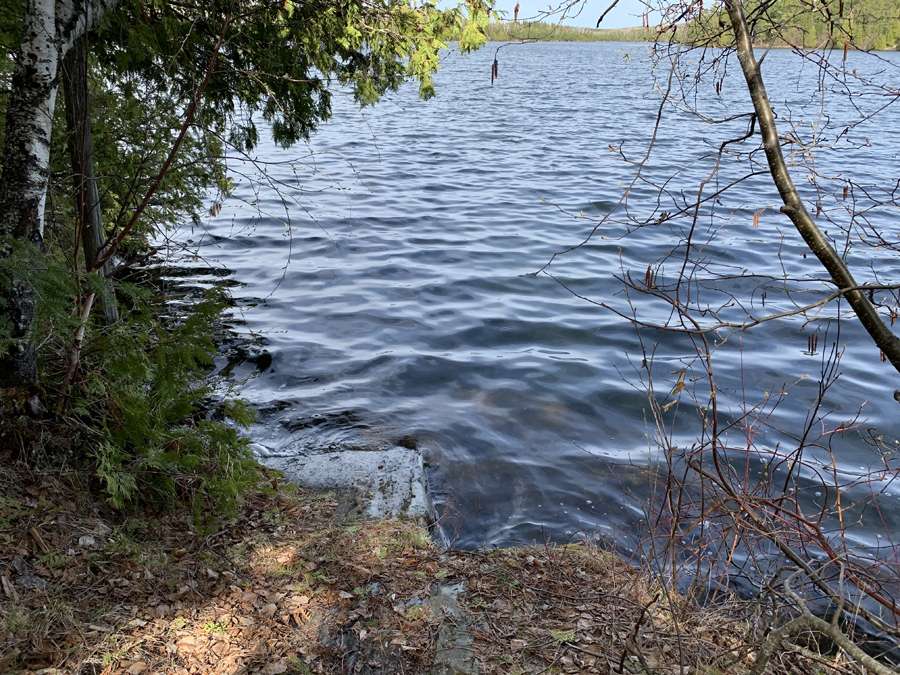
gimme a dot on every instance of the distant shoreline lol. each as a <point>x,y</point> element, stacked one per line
<point>526,31</point>
<point>647,42</point>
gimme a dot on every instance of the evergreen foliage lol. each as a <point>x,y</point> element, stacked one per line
<point>140,416</point>
<point>128,401</point>
<point>157,438</point>
<point>864,24</point>
<point>279,59</point>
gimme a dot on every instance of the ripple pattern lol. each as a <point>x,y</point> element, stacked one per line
<point>392,277</point>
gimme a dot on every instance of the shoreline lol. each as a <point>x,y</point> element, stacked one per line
<point>296,583</point>
<point>652,42</point>
<point>292,585</point>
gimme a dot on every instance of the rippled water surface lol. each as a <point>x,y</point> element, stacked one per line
<point>387,264</point>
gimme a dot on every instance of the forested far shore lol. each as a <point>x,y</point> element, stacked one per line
<point>856,24</point>
<point>505,31</point>
<point>851,24</point>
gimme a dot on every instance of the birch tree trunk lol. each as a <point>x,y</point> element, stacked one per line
<point>29,118</point>
<point>49,30</point>
<point>26,170</point>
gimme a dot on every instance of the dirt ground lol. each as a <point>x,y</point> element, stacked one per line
<point>290,586</point>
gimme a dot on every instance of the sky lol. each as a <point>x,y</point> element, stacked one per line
<point>626,14</point>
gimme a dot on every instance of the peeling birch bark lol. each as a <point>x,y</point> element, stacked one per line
<point>49,30</point>
<point>29,121</point>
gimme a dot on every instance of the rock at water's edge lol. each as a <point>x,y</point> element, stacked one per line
<point>388,483</point>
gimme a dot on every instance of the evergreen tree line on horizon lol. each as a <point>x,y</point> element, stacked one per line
<point>810,24</point>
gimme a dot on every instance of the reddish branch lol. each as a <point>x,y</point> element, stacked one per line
<point>192,109</point>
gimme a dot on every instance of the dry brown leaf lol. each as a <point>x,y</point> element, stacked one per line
<point>678,385</point>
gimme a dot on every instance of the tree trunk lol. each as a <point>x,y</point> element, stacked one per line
<point>793,204</point>
<point>26,170</point>
<point>29,119</point>
<point>87,197</point>
<point>49,30</point>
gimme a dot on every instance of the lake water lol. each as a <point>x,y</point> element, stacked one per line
<point>386,268</point>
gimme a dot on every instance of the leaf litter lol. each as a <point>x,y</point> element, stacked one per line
<point>291,585</point>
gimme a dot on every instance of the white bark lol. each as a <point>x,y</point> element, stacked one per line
<point>48,32</point>
<point>29,118</point>
<point>73,19</point>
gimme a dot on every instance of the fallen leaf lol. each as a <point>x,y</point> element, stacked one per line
<point>276,668</point>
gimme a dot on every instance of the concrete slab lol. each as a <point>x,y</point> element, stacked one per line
<point>388,483</point>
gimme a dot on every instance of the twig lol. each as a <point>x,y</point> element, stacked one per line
<point>806,621</point>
